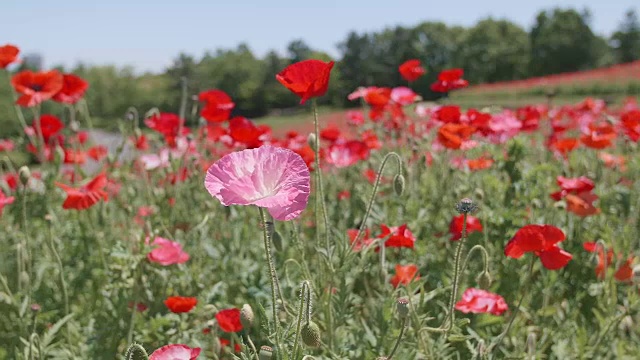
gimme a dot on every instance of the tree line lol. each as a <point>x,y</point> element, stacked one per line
<point>561,40</point>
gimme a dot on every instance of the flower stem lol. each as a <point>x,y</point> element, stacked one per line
<point>305,294</point>
<point>319,186</point>
<point>397,344</point>
<point>525,288</point>
<point>456,274</point>
<point>272,278</point>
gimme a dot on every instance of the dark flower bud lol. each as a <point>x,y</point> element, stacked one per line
<point>310,334</point>
<point>398,184</point>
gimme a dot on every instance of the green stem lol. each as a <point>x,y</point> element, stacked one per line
<point>24,251</point>
<point>485,258</point>
<point>63,283</point>
<point>272,278</point>
<point>517,310</point>
<point>456,274</point>
<point>375,192</point>
<point>320,188</point>
<point>397,344</point>
<point>301,313</point>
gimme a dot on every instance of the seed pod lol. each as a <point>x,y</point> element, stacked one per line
<point>398,184</point>
<point>246,316</point>
<point>403,308</point>
<point>310,334</point>
<point>266,352</point>
<point>136,352</point>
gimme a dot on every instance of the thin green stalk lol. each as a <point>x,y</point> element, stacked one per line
<point>485,258</point>
<point>375,192</point>
<point>24,246</point>
<point>319,188</point>
<point>272,278</point>
<point>307,315</point>
<point>456,273</point>
<point>397,344</point>
<point>525,289</point>
<point>63,283</point>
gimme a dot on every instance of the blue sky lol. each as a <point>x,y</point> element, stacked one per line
<point>148,34</point>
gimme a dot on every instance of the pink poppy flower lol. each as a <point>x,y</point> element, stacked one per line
<point>167,253</point>
<point>481,301</point>
<point>273,178</point>
<point>175,352</point>
<point>5,200</point>
<point>404,96</point>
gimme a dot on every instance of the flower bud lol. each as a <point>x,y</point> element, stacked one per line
<point>25,174</point>
<point>136,352</point>
<point>484,280</point>
<point>402,305</point>
<point>266,352</point>
<point>398,184</point>
<point>312,140</point>
<point>310,334</point>
<point>276,239</point>
<point>246,316</point>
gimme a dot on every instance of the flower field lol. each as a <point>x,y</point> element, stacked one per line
<point>407,231</point>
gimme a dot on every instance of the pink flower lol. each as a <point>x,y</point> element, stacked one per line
<point>6,145</point>
<point>4,200</point>
<point>481,301</point>
<point>273,178</point>
<point>403,95</point>
<point>167,253</point>
<point>344,154</point>
<point>175,352</point>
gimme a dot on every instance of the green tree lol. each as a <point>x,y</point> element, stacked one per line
<point>298,50</point>
<point>626,41</point>
<point>494,50</point>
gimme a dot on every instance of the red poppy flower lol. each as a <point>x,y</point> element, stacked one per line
<point>8,55</point>
<point>72,156</point>
<point>307,78</point>
<point>330,133</point>
<point>37,87</point>
<point>448,80</point>
<point>343,154</point>
<point>630,122</point>
<point>180,304</point>
<point>49,126</point>
<point>480,163</point>
<point>245,131</point>
<point>218,105</point>
<point>453,136</point>
<point>562,145</point>
<point>411,70</point>
<point>599,136</point>
<point>625,271</point>
<point>448,114</point>
<point>229,320</point>
<point>87,195</point>
<point>73,89</point>
<point>140,142</point>
<point>377,97</point>
<point>167,124</point>
<point>455,227</point>
<point>582,203</point>
<point>6,145</point>
<point>613,161</point>
<point>480,301</point>
<point>225,342</point>
<point>365,239</point>
<point>344,194</point>
<point>97,152</point>
<point>5,200</point>
<point>542,241</point>
<point>405,275</point>
<point>398,236</point>
<point>572,186</point>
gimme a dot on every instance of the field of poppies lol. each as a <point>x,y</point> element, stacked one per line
<point>407,230</point>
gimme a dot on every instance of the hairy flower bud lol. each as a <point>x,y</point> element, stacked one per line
<point>484,280</point>
<point>398,184</point>
<point>136,352</point>
<point>312,141</point>
<point>310,334</point>
<point>246,316</point>
<point>25,174</point>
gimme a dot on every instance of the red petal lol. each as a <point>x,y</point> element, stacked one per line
<point>555,258</point>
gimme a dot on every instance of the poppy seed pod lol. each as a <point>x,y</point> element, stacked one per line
<point>398,184</point>
<point>136,352</point>
<point>25,174</point>
<point>310,334</point>
<point>266,352</point>
<point>246,316</point>
<point>466,206</point>
<point>403,307</point>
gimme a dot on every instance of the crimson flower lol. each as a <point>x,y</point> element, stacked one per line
<point>180,304</point>
<point>5,200</point>
<point>455,227</point>
<point>364,241</point>
<point>225,342</point>
<point>480,301</point>
<point>167,124</point>
<point>229,320</point>
<point>405,275</point>
<point>453,136</point>
<point>218,105</point>
<point>448,80</point>
<point>49,126</point>
<point>36,87</point>
<point>73,89</point>
<point>245,131</point>
<point>307,78</point>
<point>398,236</point>
<point>8,55</point>
<point>630,122</point>
<point>542,240</point>
<point>344,154</point>
<point>572,186</point>
<point>6,145</point>
<point>167,252</point>
<point>87,195</point>
<point>411,70</point>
